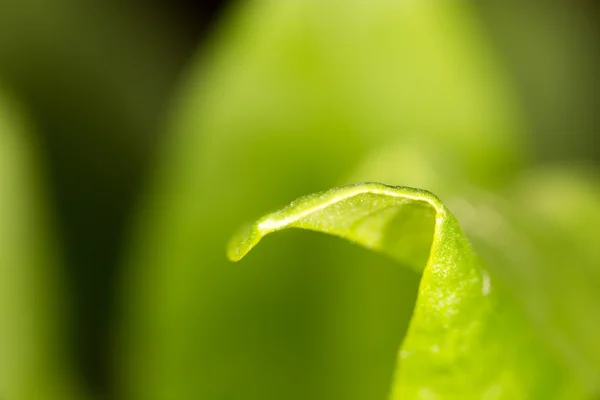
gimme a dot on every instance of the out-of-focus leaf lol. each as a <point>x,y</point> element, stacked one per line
<point>32,364</point>
<point>293,96</point>
<point>466,340</point>
<point>540,240</point>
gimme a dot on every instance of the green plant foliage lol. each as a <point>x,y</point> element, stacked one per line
<point>540,242</point>
<point>466,339</point>
<point>296,97</point>
<point>32,363</point>
<point>537,235</point>
<point>292,98</point>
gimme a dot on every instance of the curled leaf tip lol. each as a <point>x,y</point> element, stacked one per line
<point>357,212</point>
<point>452,347</point>
<point>242,242</point>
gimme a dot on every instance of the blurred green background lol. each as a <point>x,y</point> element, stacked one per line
<point>135,138</point>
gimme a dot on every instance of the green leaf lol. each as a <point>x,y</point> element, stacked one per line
<point>466,338</point>
<point>292,98</point>
<point>540,241</point>
<point>32,353</point>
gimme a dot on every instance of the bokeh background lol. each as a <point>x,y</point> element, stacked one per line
<point>136,136</point>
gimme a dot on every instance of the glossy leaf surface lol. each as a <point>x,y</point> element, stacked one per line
<point>466,338</point>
